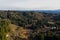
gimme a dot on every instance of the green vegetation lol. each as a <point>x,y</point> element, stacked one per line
<point>21,25</point>
<point>4,27</point>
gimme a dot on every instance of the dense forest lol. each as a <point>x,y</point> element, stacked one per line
<point>29,25</point>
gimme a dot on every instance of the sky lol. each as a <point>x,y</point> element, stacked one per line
<point>29,4</point>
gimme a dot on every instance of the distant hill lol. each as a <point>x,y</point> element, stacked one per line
<point>46,11</point>
<point>51,11</point>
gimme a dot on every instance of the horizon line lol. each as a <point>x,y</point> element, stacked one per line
<point>26,10</point>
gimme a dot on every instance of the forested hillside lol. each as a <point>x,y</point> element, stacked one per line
<point>29,25</point>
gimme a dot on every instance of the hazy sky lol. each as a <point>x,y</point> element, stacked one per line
<point>29,4</point>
